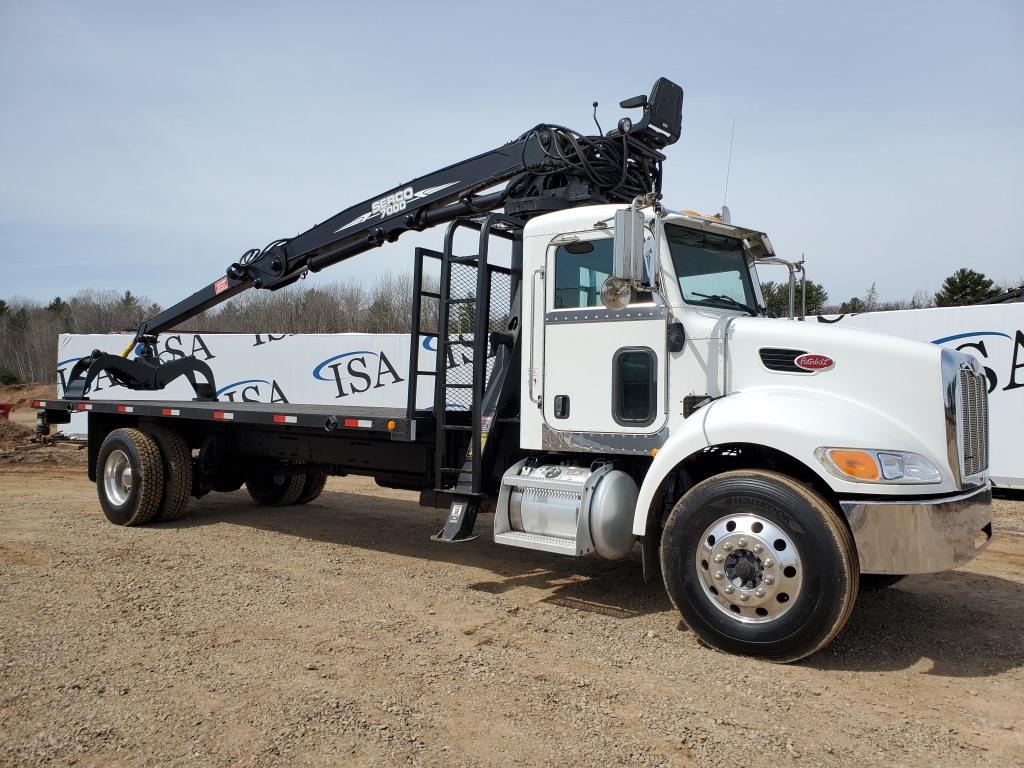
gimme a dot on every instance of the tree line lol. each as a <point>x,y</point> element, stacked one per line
<point>29,329</point>
<point>963,288</point>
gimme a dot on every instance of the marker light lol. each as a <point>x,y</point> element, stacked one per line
<point>876,466</point>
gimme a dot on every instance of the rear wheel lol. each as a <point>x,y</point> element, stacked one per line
<point>129,477</point>
<point>275,490</point>
<point>872,582</point>
<point>759,565</point>
<point>177,464</point>
<point>313,487</point>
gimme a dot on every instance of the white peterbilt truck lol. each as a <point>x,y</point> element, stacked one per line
<point>623,387</point>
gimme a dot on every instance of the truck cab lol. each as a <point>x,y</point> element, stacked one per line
<point>718,413</point>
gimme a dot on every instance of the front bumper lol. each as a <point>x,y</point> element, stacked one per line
<point>920,536</point>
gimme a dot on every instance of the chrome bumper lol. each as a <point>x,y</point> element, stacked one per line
<point>915,536</point>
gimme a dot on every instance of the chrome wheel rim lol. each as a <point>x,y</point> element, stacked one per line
<point>117,477</point>
<point>749,568</point>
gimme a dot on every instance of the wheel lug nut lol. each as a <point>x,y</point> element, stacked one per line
<point>727,547</point>
<point>719,575</point>
<point>769,579</point>
<point>718,558</point>
<point>758,549</point>
<point>769,563</point>
<point>744,596</point>
<point>729,590</point>
<point>758,593</point>
<point>741,543</point>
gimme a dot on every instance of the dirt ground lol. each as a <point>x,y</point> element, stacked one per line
<point>338,633</point>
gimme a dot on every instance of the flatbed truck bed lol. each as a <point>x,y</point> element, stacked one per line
<point>383,443</point>
<point>393,422</point>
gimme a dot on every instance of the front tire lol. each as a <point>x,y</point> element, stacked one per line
<point>759,565</point>
<point>129,477</point>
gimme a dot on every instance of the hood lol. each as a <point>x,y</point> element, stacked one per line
<point>898,379</point>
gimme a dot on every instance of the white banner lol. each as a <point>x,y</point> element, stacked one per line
<point>347,369</point>
<point>373,369</point>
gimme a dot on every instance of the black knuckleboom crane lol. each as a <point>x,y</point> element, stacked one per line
<point>455,454</point>
<point>547,168</point>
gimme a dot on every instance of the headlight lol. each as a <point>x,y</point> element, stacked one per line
<point>876,466</point>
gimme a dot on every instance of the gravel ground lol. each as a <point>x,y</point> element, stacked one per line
<point>338,633</point>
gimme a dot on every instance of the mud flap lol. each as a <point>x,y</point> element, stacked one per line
<point>650,558</point>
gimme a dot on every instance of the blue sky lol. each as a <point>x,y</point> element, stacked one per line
<point>144,146</point>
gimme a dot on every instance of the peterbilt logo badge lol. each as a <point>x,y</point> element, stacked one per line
<point>814,362</point>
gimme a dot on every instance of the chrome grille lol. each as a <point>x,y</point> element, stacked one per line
<point>974,422</point>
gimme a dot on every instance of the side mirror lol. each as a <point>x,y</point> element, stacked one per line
<point>627,260</point>
<point>628,254</point>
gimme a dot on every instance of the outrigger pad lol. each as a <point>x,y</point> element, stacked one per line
<point>458,526</point>
<point>140,373</point>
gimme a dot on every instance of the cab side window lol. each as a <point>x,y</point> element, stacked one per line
<point>580,270</point>
<point>634,386</point>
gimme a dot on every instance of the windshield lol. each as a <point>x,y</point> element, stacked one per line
<point>712,269</point>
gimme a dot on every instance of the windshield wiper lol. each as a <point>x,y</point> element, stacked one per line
<point>729,301</point>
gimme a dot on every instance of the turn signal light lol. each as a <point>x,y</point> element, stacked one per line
<point>856,464</point>
<point>879,466</point>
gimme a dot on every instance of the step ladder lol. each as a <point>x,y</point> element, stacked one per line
<point>477,322</point>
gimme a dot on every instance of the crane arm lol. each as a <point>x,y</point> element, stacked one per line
<point>547,168</point>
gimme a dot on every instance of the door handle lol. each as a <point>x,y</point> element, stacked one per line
<point>561,406</point>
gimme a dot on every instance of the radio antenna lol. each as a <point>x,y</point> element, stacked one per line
<point>728,167</point>
<point>600,132</point>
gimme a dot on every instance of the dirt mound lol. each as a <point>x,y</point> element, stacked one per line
<point>12,434</point>
<point>37,454</point>
<point>22,395</point>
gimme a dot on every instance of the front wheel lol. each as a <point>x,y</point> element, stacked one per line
<point>759,565</point>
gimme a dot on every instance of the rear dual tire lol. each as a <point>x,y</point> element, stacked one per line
<point>177,463</point>
<point>286,490</point>
<point>129,477</point>
<point>759,565</point>
<point>314,486</point>
<point>144,476</point>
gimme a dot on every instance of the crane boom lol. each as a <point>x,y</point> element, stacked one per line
<point>547,168</point>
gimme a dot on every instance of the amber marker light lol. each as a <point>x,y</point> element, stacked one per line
<point>391,425</point>
<point>859,465</point>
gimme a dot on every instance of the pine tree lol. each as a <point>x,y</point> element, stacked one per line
<point>853,305</point>
<point>776,298</point>
<point>964,287</point>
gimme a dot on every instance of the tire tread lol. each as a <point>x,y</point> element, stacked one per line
<point>284,496</point>
<point>837,530</point>
<point>177,462</point>
<point>150,474</point>
<point>313,487</point>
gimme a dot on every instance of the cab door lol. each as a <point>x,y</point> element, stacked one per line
<point>603,370</point>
